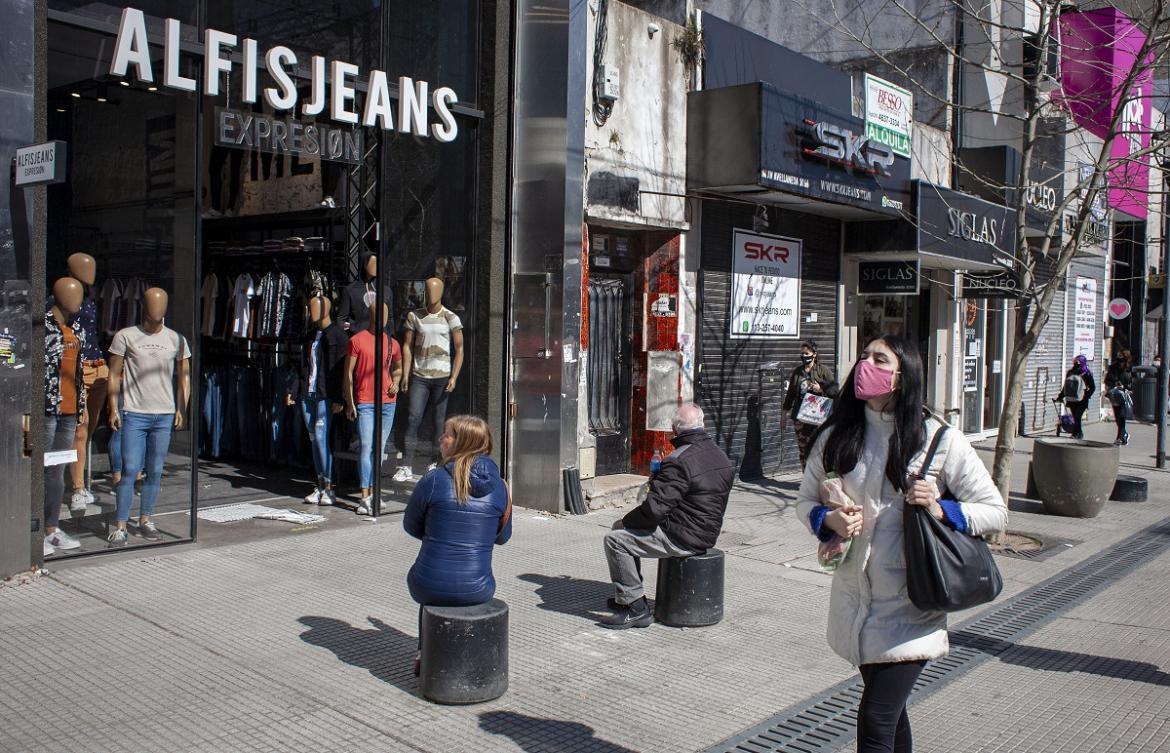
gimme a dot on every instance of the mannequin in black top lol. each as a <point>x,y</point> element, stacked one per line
<point>353,307</point>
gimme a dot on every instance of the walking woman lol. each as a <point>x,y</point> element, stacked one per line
<point>1119,382</point>
<point>875,440</point>
<point>1078,387</point>
<point>810,376</point>
<point>460,510</point>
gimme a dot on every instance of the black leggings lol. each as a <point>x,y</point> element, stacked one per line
<point>1119,417</point>
<point>882,723</point>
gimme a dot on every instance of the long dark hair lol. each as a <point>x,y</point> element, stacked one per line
<point>847,419</point>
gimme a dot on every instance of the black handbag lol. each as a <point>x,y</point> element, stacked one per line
<point>946,570</point>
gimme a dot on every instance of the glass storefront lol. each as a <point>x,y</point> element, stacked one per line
<point>198,241</point>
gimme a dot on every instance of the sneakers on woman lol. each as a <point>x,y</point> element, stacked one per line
<point>81,499</point>
<point>48,548</point>
<point>432,467</point>
<point>366,506</point>
<point>313,497</point>
<point>328,498</point>
<point>148,530</point>
<point>61,540</point>
<point>403,473</point>
<point>118,538</point>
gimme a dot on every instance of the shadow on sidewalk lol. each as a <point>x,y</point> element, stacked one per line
<point>535,734</point>
<point>572,596</point>
<point>385,652</point>
<point>1020,503</point>
<point>1054,660</point>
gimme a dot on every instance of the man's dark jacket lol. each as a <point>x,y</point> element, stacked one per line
<point>688,495</point>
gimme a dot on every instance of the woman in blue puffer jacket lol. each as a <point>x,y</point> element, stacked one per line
<point>460,510</point>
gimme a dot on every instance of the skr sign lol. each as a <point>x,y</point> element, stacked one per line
<point>842,146</point>
<point>755,250</point>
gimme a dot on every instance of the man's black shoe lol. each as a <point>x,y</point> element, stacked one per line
<point>637,614</point>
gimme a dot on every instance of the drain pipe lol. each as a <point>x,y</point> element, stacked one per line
<point>957,96</point>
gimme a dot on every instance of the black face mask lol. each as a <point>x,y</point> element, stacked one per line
<point>806,360</point>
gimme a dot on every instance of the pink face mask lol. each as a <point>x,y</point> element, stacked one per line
<point>869,381</point>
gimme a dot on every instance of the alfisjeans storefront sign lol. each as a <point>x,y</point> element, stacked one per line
<point>335,94</point>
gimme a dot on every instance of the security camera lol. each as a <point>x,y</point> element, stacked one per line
<point>653,29</point>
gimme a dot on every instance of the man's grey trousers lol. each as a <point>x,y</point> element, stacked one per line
<point>622,547</point>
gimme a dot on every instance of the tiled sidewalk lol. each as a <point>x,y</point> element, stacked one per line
<point>304,643</point>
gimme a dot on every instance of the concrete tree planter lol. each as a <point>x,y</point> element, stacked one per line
<point>1074,477</point>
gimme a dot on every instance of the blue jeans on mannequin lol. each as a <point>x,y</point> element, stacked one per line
<point>318,415</point>
<point>145,438</point>
<point>365,418</point>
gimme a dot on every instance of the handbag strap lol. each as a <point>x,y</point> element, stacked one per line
<point>507,509</point>
<point>929,457</point>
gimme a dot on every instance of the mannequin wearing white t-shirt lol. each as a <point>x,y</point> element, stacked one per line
<point>432,356</point>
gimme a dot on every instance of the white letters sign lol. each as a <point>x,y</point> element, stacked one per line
<point>765,288</point>
<point>131,57</point>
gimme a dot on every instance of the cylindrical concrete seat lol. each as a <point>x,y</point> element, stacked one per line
<point>464,653</point>
<point>1130,489</point>
<point>690,590</point>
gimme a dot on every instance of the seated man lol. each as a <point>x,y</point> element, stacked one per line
<point>682,515</point>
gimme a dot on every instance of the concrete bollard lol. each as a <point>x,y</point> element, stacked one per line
<point>690,590</point>
<point>464,653</point>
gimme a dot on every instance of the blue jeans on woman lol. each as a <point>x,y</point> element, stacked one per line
<point>365,413</point>
<point>145,438</point>
<point>318,415</point>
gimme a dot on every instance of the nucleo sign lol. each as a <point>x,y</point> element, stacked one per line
<point>765,290</point>
<point>334,95</point>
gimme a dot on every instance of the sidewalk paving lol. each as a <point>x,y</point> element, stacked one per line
<point>306,643</point>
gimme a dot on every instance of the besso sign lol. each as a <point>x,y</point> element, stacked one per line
<point>131,50</point>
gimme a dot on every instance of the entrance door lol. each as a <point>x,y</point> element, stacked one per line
<point>609,370</point>
<point>993,362</point>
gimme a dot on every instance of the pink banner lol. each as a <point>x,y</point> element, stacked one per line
<point>1099,53</point>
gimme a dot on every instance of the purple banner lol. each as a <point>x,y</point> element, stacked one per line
<point>1099,53</point>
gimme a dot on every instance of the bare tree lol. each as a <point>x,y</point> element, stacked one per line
<point>998,41</point>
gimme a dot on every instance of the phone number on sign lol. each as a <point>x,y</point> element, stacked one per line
<point>779,329</point>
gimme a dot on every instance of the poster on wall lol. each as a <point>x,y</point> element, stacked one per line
<point>889,114</point>
<point>1085,319</point>
<point>765,287</point>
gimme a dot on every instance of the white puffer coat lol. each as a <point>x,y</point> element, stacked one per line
<point>871,618</point>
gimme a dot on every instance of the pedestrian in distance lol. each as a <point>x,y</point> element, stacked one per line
<point>811,376</point>
<point>873,444</point>
<point>681,515</point>
<point>1075,392</point>
<point>460,510</point>
<point>1119,386</point>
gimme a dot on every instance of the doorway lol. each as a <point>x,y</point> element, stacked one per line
<point>609,369</point>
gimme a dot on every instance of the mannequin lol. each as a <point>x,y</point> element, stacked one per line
<point>64,398</point>
<point>143,362</point>
<point>94,374</point>
<point>361,402</point>
<point>320,392</point>
<point>353,306</point>
<point>432,350</point>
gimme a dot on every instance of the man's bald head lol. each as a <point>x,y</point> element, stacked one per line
<point>687,416</point>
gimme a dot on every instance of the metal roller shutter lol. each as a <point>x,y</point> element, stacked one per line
<point>741,382</point>
<point>1046,364</point>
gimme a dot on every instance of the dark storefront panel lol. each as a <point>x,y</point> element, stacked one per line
<point>740,380</point>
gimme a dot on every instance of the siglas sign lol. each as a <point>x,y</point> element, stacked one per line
<point>963,227</point>
<point>40,164</point>
<point>899,277</point>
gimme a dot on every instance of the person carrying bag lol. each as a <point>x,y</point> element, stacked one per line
<point>876,440</point>
<point>809,399</point>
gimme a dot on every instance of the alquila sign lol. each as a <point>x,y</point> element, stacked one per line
<point>332,94</point>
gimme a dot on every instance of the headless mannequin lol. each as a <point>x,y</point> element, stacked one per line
<point>68,295</point>
<point>154,312</point>
<point>377,323</point>
<point>356,299</point>
<point>83,267</point>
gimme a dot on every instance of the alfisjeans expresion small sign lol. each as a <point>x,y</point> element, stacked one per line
<point>245,130</point>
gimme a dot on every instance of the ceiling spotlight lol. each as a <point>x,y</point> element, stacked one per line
<point>60,109</point>
<point>102,94</point>
<point>76,95</point>
<point>124,83</point>
<point>152,88</point>
<point>101,99</point>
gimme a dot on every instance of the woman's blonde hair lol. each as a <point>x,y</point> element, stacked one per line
<point>471,438</point>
